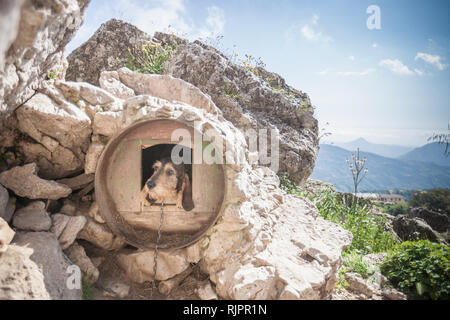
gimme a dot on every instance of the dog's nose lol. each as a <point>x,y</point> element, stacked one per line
<point>151,184</point>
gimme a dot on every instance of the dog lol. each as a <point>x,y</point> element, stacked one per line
<point>169,183</point>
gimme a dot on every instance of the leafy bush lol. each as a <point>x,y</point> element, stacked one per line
<point>398,208</point>
<point>434,199</point>
<point>149,58</point>
<point>420,268</point>
<point>355,262</point>
<point>370,234</point>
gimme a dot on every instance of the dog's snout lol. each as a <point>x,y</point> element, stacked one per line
<point>151,184</point>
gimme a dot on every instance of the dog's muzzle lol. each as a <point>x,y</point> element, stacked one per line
<point>151,184</point>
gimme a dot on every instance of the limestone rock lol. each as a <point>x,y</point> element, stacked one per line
<point>107,49</point>
<point>78,182</point>
<point>439,222</point>
<point>59,222</point>
<point>100,235</point>
<point>280,243</point>
<point>35,33</point>
<point>357,283</point>
<point>20,277</point>
<point>47,254</point>
<point>116,289</point>
<point>6,235</point>
<point>4,198</point>
<point>25,183</point>
<point>95,214</point>
<point>206,292</point>
<point>32,217</point>
<point>92,156</point>
<point>393,294</point>
<point>266,245</point>
<point>414,229</point>
<point>110,81</point>
<point>77,255</point>
<point>138,265</point>
<point>66,228</point>
<point>265,101</point>
<point>10,208</point>
<point>47,120</point>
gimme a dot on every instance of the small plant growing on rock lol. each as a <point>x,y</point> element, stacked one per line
<point>53,75</point>
<point>229,92</point>
<point>149,57</point>
<point>420,268</point>
<point>355,262</point>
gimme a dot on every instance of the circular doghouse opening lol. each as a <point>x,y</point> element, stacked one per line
<point>129,162</point>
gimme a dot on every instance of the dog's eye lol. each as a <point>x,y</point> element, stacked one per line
<point>155,168</point>
<point>169,172</point>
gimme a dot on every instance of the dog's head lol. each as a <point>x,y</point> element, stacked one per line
<point>167,182</point>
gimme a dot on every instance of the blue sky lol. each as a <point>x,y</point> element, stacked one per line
<point>390,85</point>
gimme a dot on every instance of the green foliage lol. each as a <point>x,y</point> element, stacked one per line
<point>355,262</point>
<point>341,283</point>
<point>4,157</point>
<point>420,268</point>
<point>434,199</point>
<point>86,288</point>
<point>149,58</point>
<point>396,209</point>
<point>370,234</point>
<point>52,75</point>
<point>229,92</point>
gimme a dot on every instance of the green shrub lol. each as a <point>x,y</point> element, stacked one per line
<point>86,289</point>
<point>398,208</point>
<point>355,262</point>
<point>420,268</point>
<point>149,58</point>
<point>370,234</point>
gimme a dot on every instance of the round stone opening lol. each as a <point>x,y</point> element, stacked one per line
<point>124,167</point>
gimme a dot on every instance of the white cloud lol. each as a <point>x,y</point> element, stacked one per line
<point>419,72</point>
<point>215,23</point>
<point>315,19</point>
<point>396,66</point>
<point>308,31</point>
<point>433,60</point>
<point>323,72</point>
<point>356,73</point>
<point>154,15</point>
<point>352,58</point>
<point>374,45</point>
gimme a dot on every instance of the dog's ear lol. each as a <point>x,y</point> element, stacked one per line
<point>188,204</point>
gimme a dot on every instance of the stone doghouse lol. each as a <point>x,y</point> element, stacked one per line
<point>253,240</point>
<point>75,155</point>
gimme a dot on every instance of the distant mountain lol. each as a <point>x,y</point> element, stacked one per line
<point>385,150</point>
<point>432,152</point>
<point>384,173</point>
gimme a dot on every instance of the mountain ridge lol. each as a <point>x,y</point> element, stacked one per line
<point>385,150</point>
<point>384,173</point>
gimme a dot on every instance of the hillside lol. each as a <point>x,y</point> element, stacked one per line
<point>384,173</point>
<point>385,150</point>
<point>431,153</point>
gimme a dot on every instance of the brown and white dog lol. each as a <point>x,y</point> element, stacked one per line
<point>169,183</point>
